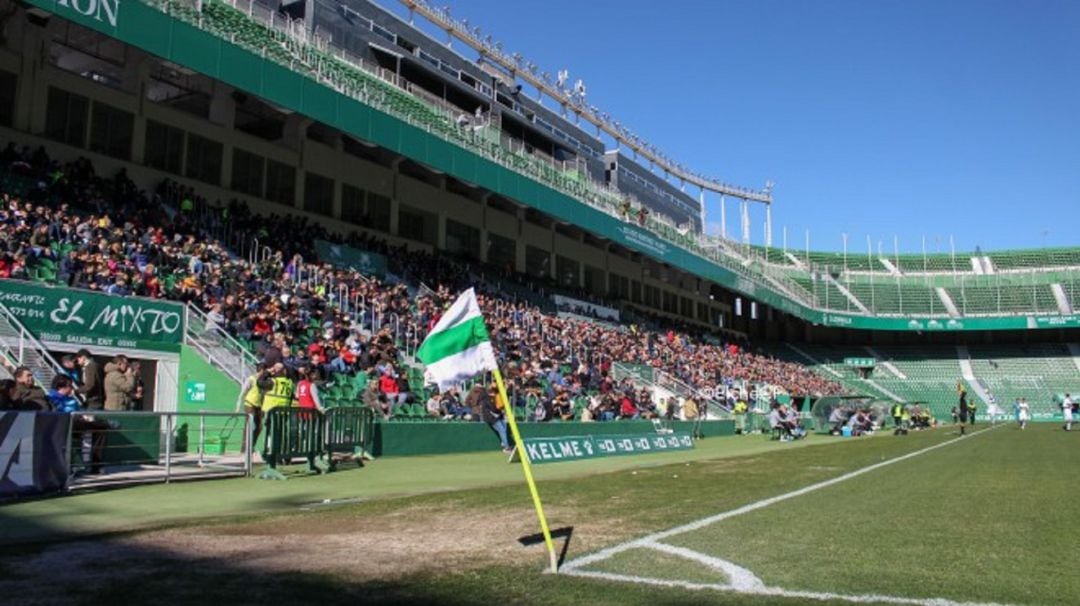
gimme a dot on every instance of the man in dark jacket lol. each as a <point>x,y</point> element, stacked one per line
<point>27,395</point>
<point>92,389</point>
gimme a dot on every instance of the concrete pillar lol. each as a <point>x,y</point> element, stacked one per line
<point>223,106</point>
<point>295,132</point>
<point>440,231</point>
<point>484,227</point>
<point>519,241</point>
<point>136,72</point>
<point>395,173</point>
<point>33,92</point>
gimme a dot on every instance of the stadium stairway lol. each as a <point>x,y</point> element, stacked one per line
<point>968,373</point>
<point>663,386</point>
<point>217,347</point>
<point>20,348</point>
<point>1061,298</point>
<point>847,293</point>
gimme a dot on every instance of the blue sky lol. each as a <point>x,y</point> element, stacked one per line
<point>883,118</point>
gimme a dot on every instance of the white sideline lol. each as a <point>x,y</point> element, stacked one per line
<point>741,579</point>
<point>656,537</point>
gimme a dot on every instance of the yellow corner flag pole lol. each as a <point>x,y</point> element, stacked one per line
<point>527,468</point>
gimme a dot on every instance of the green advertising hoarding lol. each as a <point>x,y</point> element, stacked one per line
<point>90,319</point>
<point>573,448</point>
<point>367,263</point>
<point>860,362</point>
<point>941,324</point>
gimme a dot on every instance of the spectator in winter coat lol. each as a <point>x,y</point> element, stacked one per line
<point>119,384</point>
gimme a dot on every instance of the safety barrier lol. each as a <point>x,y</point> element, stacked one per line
<point>290,433</point>
<point>316,437</point>
<point>349,430</point>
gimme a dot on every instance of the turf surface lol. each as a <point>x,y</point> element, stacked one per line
<point>988,518</point>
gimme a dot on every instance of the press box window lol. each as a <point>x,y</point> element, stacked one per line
<point>164,147</point>
<point>204,159</point>
<point>65,117</point>
<point>111,131</point>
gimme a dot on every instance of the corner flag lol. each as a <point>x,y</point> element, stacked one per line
<point>458,348</point>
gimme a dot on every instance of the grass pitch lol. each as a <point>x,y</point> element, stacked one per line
<point>989,518</point>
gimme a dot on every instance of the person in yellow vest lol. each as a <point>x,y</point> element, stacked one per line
<point>278,389</point>
<point>251,399</point>
<point>740,411</point>
<point>971,406</point>
<point>902,418</point>
<point>897,413</point>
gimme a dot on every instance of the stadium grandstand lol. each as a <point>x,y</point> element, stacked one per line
<point>313,183</point>
<point>344,243</point>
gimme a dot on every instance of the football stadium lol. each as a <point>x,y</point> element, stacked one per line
<point>320,302</point>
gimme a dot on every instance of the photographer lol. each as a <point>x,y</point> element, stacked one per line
<point>119,383</point>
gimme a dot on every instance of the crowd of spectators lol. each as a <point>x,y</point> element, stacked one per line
<point>62,222</point>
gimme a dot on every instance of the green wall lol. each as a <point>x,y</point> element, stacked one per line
<point>221,394</point>
<point>221,391</point>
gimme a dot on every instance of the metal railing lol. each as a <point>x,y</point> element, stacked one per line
<point>218,347</point>
<point>21,348</point>
<point>120,448</point>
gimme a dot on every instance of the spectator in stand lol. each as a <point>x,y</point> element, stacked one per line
<point>388,387</point>
<point>434,406</point>
<point>117,239</point>
<point>454,407</point>
<point>375,400</point>
<point>627,409</point>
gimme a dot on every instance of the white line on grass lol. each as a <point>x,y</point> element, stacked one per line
<point>656,537</point>
<point>775,591</point>
<point>742,580</point>
<point>739,578</point>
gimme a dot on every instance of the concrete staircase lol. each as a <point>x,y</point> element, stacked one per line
<point>20,348</point>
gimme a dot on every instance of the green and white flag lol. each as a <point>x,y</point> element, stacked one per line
<point>458,347</point>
